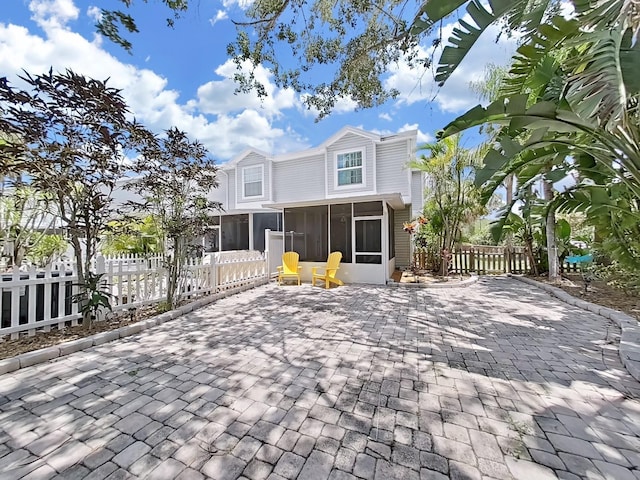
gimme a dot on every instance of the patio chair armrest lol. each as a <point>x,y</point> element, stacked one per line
<point>279,268</point>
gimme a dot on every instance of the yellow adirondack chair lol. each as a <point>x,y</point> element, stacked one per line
<point>329,275</point>
<point>289,267</point>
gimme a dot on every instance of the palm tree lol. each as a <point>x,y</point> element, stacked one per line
<point>137,236</point>
<point>570,104</point>
<point>452,199</point>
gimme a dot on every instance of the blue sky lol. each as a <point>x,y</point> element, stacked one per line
<point>182,76</point>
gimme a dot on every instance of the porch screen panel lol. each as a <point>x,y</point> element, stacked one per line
<point>367,209</point>
<point>212,240</point>
<point>235,232</point>
<point>306,232</point>
<point>341,230</point>
<point>212,235</point>
<point>261,222</point>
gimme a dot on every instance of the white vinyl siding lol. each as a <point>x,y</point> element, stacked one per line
<point>299,180</point>
<point>417,192</point>
<point>403,239</point>
<point>391,164</point>
<point>253,181</point>
<point>219,194</point>
<point>232,190</point>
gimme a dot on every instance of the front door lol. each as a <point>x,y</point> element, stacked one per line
<point>368,240</point>
<point>368,248</point>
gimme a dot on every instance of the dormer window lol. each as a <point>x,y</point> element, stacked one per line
<point>252,179</point>
<point>349,168</point>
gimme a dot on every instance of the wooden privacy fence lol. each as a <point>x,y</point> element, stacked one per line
<point>37,299</point>
<point>486,259</point>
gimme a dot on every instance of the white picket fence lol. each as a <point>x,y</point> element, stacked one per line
<point>38,299</point>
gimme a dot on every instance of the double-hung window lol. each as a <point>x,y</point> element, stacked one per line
<point>252,181</point>
<point>349,168</point>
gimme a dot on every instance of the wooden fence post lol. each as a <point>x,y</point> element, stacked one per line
<point>507,260</point>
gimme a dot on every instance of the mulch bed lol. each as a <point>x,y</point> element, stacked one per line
<point>425,277</point>
<point>598,292</point>
<point>24,344</point>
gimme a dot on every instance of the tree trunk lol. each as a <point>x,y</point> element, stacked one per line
<point>171,281</point>
<point>18,254</point>
<point>508,239</point>
<point>81,271</point>
<point>508,185</point>
<point>528,245</point>
<point>175,266</point>
<point>552,247</point>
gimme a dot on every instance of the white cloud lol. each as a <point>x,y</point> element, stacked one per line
<point>342,106</point>
<point>231,134</point>
<point>218,96</point>
<point>94,13</point>
<point>345,105</point>
<point>216,117</point>
<point>412,84</point>
<point>243,4</point>
<point>53,13</point>
<point>455,96</point>
<point>423,137</point>
<point>567,10</point>
<point>220,15</point>
<point>385,116</point>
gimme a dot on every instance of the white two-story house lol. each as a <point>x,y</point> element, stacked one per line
<point>352,193</point>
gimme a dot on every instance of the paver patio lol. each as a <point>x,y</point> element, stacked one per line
<point>495,380</point>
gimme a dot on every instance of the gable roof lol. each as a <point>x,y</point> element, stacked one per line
<point>320,149</point>
<point>242,155</point>
<point>350,130</point>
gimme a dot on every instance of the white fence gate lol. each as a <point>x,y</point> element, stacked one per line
<point>274,242</point>
<point>38,299</point>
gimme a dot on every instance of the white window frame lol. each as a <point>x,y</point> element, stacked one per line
<point>244,183</point>
<point>361,167</point>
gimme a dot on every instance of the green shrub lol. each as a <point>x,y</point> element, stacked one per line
<point>47,249</point>
<point>619,276</point>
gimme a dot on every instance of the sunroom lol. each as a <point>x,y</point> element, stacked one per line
<point>363,229</point>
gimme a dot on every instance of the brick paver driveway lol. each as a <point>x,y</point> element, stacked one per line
<point>496,380</point>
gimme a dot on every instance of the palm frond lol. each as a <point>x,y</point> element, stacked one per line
<point>596,88</point>
<point>521,15</point>
<point>536,63</point>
